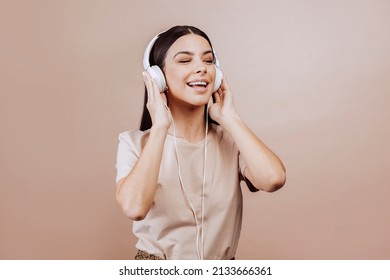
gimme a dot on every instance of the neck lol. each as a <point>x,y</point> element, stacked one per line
<point>189,123</point>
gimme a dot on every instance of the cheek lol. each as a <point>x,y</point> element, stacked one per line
<point>212,73</point>
<point>174,78</point>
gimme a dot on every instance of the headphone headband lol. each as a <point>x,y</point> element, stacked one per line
<point>148,49</point>
<point>158,75</point>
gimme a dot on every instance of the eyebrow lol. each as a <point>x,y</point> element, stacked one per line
<point>191,53</point>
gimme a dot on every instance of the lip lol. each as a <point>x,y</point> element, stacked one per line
<point>200,89</point>
<point>199,80</point>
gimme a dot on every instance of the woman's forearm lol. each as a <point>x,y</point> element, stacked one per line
<point>264,169</point>
<point>135,193</point>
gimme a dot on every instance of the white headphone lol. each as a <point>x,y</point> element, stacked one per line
<point>199,227</point>
<point>157,74</point>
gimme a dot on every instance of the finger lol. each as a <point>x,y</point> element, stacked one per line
<point>217,97</point>
<point>155,90</point>
<point>148,85</point>
<point>224,84</point>
<point>221,94</point>
<point>165,100</point>
<point>227,94</point>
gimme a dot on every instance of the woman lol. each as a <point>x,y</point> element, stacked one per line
<point>178,177</point>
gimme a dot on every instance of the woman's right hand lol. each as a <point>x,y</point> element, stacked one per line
<point>157,103</point>
<point>135,192</point>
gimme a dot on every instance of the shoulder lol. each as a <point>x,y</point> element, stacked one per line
<point>130,135</point>
<point>221,135</point>
<point>223,140</point>
<point>134,138</point>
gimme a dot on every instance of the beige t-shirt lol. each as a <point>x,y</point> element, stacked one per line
<point>169,229</point>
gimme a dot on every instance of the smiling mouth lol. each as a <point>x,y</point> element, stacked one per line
<point>198,84</point>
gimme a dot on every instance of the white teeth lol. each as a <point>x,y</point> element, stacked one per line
<point>197,83</point>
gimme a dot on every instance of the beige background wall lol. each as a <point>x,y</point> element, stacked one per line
<point>311,78</point>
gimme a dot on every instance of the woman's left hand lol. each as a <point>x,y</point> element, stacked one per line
<point>222,109</point>
<point>264,169</point>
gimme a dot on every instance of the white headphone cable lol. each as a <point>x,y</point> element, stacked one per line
<point>204,174</point>
<point>200,255</point>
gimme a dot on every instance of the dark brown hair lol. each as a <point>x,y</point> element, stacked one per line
<point>157,57</point>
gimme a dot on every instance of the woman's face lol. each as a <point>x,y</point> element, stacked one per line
<point>190,71</point>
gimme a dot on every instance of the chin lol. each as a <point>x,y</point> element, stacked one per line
<point>201,100</point>
<point>193,98</point>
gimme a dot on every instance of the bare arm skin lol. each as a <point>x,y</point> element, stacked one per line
<point>264,169</point>
<point>135,193</point>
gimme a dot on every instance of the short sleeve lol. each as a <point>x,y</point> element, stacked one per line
<point>242,167</point>
<point>129,149</point>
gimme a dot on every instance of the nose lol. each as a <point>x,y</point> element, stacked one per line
<point>200,67</point>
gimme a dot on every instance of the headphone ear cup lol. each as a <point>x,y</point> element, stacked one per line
<point>218,79</point>
<point>156,73</point>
